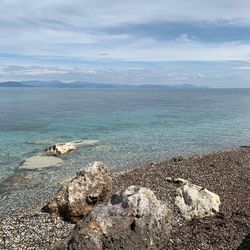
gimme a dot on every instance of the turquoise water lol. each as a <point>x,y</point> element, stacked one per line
<point>131,125</point>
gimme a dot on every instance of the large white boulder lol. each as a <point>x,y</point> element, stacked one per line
<point>79,196</point>
<point>60,149</point>
<point>195,201</point>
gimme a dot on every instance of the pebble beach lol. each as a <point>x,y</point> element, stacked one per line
<point>226,173</point>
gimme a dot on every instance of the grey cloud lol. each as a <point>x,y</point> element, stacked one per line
<point>73,40</point>
<point>80,28</point>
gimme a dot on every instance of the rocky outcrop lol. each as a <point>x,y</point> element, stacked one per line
<point>60,149</point>
<point>78,197</point>
<point>132,219</point>
<point>195,201</point>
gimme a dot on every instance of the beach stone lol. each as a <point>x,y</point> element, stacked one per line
<point>60,149</point>
<point>39,162</point>
<point>195,201</point>
<point>132,219</point>
<point>78,197</point>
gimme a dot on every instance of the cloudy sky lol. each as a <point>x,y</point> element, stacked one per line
<point>115,41</point>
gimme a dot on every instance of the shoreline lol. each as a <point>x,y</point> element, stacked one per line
<point>225,172</point>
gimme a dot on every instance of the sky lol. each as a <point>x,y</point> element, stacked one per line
<point>197,42</point>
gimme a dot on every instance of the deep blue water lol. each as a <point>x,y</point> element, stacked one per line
<point>131,125</point>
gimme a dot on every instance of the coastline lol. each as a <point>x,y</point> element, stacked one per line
<point>226,173</point>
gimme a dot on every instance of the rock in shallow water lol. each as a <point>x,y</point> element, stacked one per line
<point>85,143</point>
<point>40,162</point>
<point>60,149</point>
<point>132,219</point>
<point>195,201</point>
<point>78,197</point>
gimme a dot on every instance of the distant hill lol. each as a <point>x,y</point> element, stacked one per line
<point>178,86</point>
<point>78,84</point>
<point>12,85</point>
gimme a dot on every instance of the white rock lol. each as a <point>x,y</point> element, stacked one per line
<point>40,162</point>
<point>60,148</point>
<point>195,201</point>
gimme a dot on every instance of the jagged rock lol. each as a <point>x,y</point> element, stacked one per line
<point>78,197</point>
<point>132,219</point>
<point>60,149</point>
<point>195,201</point>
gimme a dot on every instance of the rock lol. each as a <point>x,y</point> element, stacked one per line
<point>78,197</point>
<point>132,219</point>
<point>60,149</point>
<point>39,162</point>
<point>179,181</point>
<point>85,143</point>
<point>195,201</point>
<point>178,158</point>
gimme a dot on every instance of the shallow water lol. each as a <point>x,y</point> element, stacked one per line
<point>131,125</point>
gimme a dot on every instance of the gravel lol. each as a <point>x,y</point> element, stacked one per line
<point>226,173</point>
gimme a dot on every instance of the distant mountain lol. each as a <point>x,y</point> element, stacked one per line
<point>12,85</point>
<point>78,84</point>
<point>179,86</point>
<point>44,84</point>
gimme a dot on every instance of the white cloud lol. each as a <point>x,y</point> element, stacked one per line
<point>54,39</point>
<point>85,13</point>
<point>75,28</point>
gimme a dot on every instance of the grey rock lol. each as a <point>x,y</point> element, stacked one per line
<point>132,219</point>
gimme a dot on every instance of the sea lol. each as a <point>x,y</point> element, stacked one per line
<point>131,126</point>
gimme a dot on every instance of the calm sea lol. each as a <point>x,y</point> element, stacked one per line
<point>131,125</point>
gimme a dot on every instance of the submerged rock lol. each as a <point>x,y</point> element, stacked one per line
<point>39,162</point>
<point>60,149</point>
<point>195,201</point>
<point>79,196</point>
<point>85,143</point>
<point>132,219</point>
